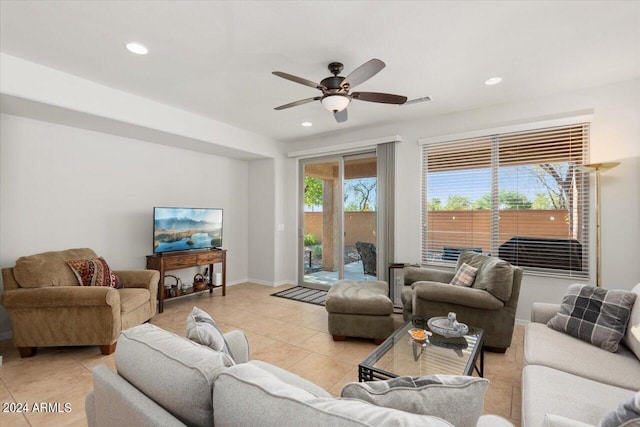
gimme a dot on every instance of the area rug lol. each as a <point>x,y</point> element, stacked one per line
<point>300,293</point>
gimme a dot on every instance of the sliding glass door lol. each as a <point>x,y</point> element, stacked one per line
<point>360,214</point>
<point>321,222</point>
<point>338,219</point>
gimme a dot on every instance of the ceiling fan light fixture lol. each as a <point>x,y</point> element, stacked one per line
<point>335,102</point>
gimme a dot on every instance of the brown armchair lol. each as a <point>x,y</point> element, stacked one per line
<point>47,306</point>
<point>490,303</point>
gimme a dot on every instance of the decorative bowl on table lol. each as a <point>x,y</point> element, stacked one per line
<point>419,335</point>
<point>445,327</point>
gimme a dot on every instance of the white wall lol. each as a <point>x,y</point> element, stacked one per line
<point>269,223</point>
<point>284,218</point>
<point>615,135</point>
<point>33,90</point>
<point>261,221</point>
<point>63,187</point>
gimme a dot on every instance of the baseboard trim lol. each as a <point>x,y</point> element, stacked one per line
<point>235,282</point>
<point>283,282</point>
<point>7,335</point>
<point>270,284</point>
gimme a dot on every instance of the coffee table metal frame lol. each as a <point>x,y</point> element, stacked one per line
<point>367,371</point>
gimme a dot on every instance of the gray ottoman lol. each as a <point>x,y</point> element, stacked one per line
<point>359,309</point>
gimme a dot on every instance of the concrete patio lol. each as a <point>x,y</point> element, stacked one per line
<point>324,279</point>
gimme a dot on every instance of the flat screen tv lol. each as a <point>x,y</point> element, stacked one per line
<point>181,229</point>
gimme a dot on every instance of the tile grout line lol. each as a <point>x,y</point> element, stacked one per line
<point>350,352</point>
<point>14,399</point>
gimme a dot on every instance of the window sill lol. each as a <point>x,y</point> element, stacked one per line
<point>528,271</point>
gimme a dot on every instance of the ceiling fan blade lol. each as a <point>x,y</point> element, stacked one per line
<point>298,80</point>
<point>296,103</point>
<point>385,98</point>
<point>341,116</point>
<point>363,73</point>
<point>418,100</point>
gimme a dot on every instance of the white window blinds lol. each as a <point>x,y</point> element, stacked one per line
<point>518,196</point>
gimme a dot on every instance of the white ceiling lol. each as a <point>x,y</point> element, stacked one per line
<point>216,58</point>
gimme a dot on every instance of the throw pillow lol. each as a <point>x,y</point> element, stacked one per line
<point>456,399</point>
<point>632,337</point>
<point>94,272</point>
<point>464,276</point>
<point>626,414</point>
<point>494,275</point>
<point>595,315</point>
<point>202,329</point>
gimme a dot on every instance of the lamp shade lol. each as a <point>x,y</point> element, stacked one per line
<point>335,102</point>
<point>598,167</point>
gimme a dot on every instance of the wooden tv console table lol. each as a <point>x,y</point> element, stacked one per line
<point>184,259</point>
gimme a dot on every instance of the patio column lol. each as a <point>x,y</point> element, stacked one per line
<point>329,224</point>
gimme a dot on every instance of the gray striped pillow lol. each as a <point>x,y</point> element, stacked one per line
<point>595,315</point>
<point>202,329</point>
<point>626,414</point>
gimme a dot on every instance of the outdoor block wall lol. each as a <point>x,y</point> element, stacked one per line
<point>358,226</point>
<point>471,229</point>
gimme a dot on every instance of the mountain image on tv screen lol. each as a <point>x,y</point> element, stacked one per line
<point>180,229</point>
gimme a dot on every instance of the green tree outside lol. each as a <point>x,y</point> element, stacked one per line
<point>458,203</point>
<point>558,179</point>
<point>360,195</point>
<point>542,201</point>
<point>312,191</point>
<point>435,204</point>
<point>507,199</point>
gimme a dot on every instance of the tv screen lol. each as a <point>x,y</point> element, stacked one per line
<point>181,229</point>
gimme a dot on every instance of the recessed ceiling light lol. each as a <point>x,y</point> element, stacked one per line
<point>137,48</point>
<point>493,81</point>
<point>307,124</point>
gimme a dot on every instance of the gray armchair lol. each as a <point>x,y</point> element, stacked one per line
<point>490,303</point>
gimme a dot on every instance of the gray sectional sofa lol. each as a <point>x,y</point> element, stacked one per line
<point>569,382</point>
<point>167,380</point>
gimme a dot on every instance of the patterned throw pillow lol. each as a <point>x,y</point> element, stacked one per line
<point>94,272</point>
<point>436,395</point>
<point>464,276</point>
<point>202,329</point>
<point>595,315</point>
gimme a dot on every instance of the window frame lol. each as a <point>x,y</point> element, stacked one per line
<point>495,135</point>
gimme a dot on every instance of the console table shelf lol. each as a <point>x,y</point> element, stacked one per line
<point>184,259</point>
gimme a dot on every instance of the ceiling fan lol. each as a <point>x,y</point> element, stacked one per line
<point>335,90</point>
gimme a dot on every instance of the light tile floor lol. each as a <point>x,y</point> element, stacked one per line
<point>292,335</point>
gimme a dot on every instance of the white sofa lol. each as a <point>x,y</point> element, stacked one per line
<point>569,382</point>
<point>167,380</point>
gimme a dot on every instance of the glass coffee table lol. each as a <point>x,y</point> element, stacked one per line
<point>399,355</point>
